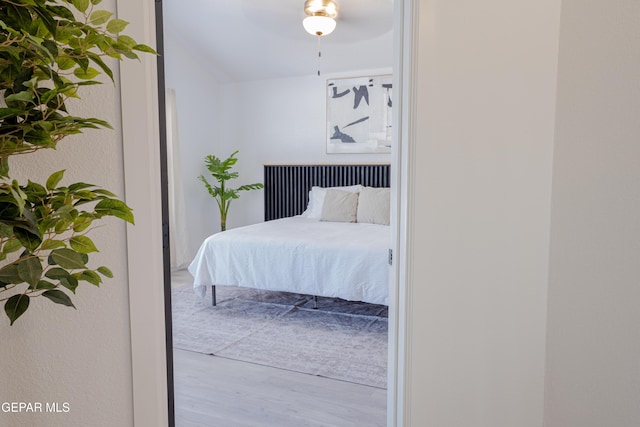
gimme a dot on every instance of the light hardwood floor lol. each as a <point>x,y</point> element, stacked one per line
<point>212,391</point>
<point>216,392</point>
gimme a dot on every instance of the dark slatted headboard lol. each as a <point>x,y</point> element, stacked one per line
<point>286,187</point>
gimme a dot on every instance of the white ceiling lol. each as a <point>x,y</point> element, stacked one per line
<point>241,40</point>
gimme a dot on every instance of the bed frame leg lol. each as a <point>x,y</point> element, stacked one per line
<point>213,296</point>
<point>315,302</point>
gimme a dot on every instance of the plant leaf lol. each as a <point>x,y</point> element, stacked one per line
<point>81,5</point>
<point>87,74</point>
<point>115,208</point>
<point>67,258</point>
<point>105,68</point>
<point>100,17</point>
<point>65,63</point>
<point>105,272</point>
<point>4,167</point>
<point>29,240</point>
<point>9,274</point>
<point>76,186</point>
<point>82,244</point>
<point>70,283</point>
<point>116,25</point>
<point>23,96</point>
<point>82,223</point>
<point>58,297</point>
<point>30,270</point>
<point>126,42</point>
<point>54,180</point>
<point>91,277</point>
<point>16,306</point>
<point>34,190</point>
<point>52,244</point>
<point>144,48</point>
<point>57,273</point>
<point>257,186</point>
<point>9,112</point>
<point>44,285</point>
<point>11,246</point>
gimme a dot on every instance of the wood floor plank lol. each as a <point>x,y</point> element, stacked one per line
<point>211,391</point>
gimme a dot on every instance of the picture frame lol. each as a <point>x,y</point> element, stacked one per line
<point>359,115</point>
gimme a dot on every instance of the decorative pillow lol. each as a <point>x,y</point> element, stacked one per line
<point>316,199</point>
<point>374,205</point>
<point>339,206</point>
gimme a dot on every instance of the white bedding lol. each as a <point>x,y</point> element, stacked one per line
<point>298,254</point>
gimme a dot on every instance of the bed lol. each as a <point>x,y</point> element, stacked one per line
<point>325,234</point>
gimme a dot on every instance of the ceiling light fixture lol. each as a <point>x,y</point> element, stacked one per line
<point>321,15</point>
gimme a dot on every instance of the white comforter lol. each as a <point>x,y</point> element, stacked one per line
<point>302,255</point>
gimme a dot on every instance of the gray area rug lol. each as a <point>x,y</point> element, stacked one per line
<point>340,339</point>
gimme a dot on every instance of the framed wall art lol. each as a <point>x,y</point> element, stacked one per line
<point>359,114</point>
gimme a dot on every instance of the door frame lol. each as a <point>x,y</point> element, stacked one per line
<point>150,323</point>
<point>143,192</point>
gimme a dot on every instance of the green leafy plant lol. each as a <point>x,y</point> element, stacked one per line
<point>221,171</point>
<point>48,51</point>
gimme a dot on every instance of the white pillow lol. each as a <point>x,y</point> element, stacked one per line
<point>374,205</point>
<point>316,199</point>
<point>339,206</point>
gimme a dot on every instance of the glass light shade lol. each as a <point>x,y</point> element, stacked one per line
<point>319,25</point>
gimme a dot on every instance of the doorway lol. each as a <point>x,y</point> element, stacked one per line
<point>168,328</point>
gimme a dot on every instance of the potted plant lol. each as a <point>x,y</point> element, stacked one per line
<point>221,171</point>
<point>49,50</point>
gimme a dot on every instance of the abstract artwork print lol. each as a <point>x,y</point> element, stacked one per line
<point>359,114</point>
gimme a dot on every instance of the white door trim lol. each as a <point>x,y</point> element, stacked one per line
<point>405,74</point>
<point>140,129</point>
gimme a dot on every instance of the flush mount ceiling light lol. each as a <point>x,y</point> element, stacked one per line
<point>320,19</point>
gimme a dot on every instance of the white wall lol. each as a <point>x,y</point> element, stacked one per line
<point>593,347</point>
<point>201,117</point>
<point>480,163</point>
<point>268,121</point>
<point>58,354</point>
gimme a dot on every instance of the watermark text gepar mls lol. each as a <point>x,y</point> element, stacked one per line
<point>35,407</point>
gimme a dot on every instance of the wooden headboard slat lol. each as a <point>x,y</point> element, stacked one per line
<point>286,187</point>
